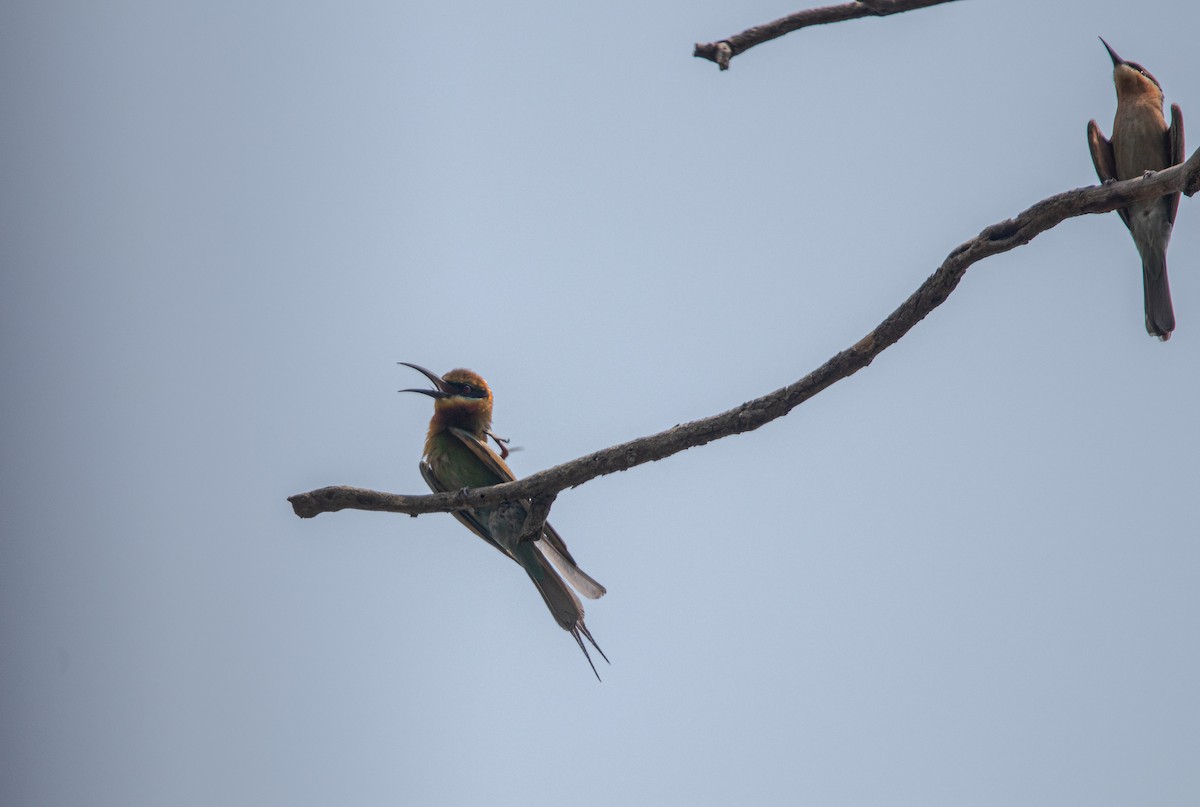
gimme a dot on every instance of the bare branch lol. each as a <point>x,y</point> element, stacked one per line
<point>724,50</point>
<point>544,485</point>
<point>535,519</point>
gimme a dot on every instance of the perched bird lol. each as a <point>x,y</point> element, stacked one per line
<point>1142,142</point>
<point>457,456</point>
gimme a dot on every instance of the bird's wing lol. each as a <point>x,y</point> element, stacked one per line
<point>555,548</point>
<point>466,517</point>
<point>485,455</point>
<point>1175,136</point>
<point>1104,160</point>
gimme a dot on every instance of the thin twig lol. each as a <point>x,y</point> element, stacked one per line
<point>724,50</point>
<point>995,239</point>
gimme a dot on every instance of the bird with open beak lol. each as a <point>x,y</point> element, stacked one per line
<point>457,456</point>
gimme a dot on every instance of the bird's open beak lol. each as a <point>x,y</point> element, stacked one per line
<point>1117,60</point>
<point>440,392</point>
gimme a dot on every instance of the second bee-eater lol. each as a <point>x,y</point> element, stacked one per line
<point>457,456</point>
<point>1142,141</point>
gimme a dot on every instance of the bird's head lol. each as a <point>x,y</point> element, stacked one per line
<point>461,398</point>
<point>1133,81</point>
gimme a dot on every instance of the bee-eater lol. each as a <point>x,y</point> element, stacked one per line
<point>457,456</point>
<point>1141,142</point>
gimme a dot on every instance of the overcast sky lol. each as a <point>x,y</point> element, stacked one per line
<point>965,576</point>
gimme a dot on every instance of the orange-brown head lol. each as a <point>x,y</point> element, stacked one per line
<point>461,399</point>
<point>1134,82</point>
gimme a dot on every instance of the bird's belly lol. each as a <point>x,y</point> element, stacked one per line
<point>1150,156</point>
<point>1150,223</point>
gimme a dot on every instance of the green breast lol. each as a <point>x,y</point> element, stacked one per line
<point>456,466</point>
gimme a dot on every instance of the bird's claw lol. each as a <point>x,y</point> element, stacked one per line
<point>501,443</point>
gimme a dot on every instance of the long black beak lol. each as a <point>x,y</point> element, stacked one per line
<point>440,392</point>
<point>1116,59</point>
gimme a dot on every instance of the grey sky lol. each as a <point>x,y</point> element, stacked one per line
<point>967,575</point>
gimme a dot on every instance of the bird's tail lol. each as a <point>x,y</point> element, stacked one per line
<point>1160,316</point>
<point>560,599</point>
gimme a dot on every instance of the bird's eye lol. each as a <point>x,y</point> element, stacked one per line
<point>466,388</point>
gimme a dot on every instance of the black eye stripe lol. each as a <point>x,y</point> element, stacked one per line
<point>469,390</point>
<point>1144,72</point>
